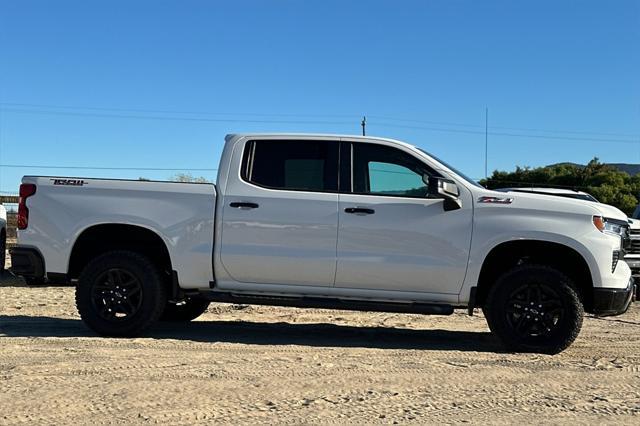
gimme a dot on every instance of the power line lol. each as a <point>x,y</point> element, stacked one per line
<point>350,116</point>
<point>156,111</point>
<point>516,135</point>
<point>224,120</point>
<point>173,118</point>
<point>439,123</point>
<point>576,132</point>
<point>524,129</point>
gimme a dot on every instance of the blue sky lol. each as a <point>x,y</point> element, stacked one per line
<point>157,84</point>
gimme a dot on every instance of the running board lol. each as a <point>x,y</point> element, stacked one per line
<point>328,303</point>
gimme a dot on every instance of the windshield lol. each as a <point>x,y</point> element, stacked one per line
<point>453,169</point>
<point>584,197</point>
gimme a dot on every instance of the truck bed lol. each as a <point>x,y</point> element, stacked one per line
<point>182,214</point>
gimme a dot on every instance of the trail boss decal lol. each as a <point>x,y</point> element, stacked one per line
<point>69,182</point>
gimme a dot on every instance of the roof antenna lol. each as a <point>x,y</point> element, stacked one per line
<point>363,123</point>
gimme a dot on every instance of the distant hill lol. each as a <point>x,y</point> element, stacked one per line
<point>632,169</point>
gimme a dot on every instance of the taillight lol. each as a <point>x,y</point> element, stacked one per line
<point>26,191</point>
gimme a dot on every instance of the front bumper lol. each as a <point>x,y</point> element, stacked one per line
<point>613,301</point>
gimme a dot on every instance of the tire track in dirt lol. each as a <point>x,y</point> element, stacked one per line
<point>259,365</point>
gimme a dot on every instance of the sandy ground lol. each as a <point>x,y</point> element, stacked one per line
<point>242,364</point>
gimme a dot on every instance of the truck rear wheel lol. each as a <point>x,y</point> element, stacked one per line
<point>534,308</point>
<point>120,293</point>
<point>186,311</point>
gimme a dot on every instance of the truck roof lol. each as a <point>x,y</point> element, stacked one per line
<point>231,136</point>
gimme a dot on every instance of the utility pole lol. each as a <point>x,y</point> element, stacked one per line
<point>363,123</point>
<point>486,142</point>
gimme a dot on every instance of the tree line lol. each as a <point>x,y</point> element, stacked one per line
<point>608,184</point>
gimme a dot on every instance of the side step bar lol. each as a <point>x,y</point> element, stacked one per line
<point>326,303</point>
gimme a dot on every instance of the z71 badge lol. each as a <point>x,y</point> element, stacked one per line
<point>69,182</point>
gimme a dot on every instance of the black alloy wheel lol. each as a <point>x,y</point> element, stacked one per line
<point>116,295</point>
<point>534,310</point>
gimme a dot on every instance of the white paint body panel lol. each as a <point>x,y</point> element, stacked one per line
<point>301,243</point>
<point>408,244</point>
<point>181,214</point>
<point>292,231</point>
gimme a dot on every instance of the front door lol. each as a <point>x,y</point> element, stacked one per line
<point>280,214</point>
<point>392,235</point>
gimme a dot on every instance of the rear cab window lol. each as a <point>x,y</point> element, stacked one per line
<point>292,165</point>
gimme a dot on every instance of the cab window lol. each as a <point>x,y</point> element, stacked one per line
<point>292,165</point>
<point>383,170</point>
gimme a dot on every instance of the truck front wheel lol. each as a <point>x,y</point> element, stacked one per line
<point>534,308</point>
<point>188,310</point>
<point>120,293</point>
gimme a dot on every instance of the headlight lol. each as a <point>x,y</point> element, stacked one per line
<point>614,228</point>
<point>611,226</point>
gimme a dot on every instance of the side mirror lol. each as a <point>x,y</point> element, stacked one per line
<point>446,189</point>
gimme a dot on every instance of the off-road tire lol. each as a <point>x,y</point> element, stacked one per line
<point>188,310</point>
<point>547,322</point>
<point>90,300</point>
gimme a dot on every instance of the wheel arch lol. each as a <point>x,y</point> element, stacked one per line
<point>97,239</point>
<point>562,257</point>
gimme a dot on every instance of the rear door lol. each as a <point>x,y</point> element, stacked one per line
<point>280,214</point>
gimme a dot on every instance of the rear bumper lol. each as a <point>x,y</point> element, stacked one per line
<point>613,301</point>
<point>27,262</point>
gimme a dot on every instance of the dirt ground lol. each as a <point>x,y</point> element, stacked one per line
<point>243,364</point>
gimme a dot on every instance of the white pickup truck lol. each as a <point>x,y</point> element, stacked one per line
<point>325,221</point>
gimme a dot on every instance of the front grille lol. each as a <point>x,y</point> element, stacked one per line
<point>633,246</point>
<point>614,260</point>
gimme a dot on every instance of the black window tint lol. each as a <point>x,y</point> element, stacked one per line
<point>292,165</point>
<point>383,170</point>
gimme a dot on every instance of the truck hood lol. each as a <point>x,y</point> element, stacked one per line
<point>634,223</point>
<point>611,211</point>
<point>553,203</point>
